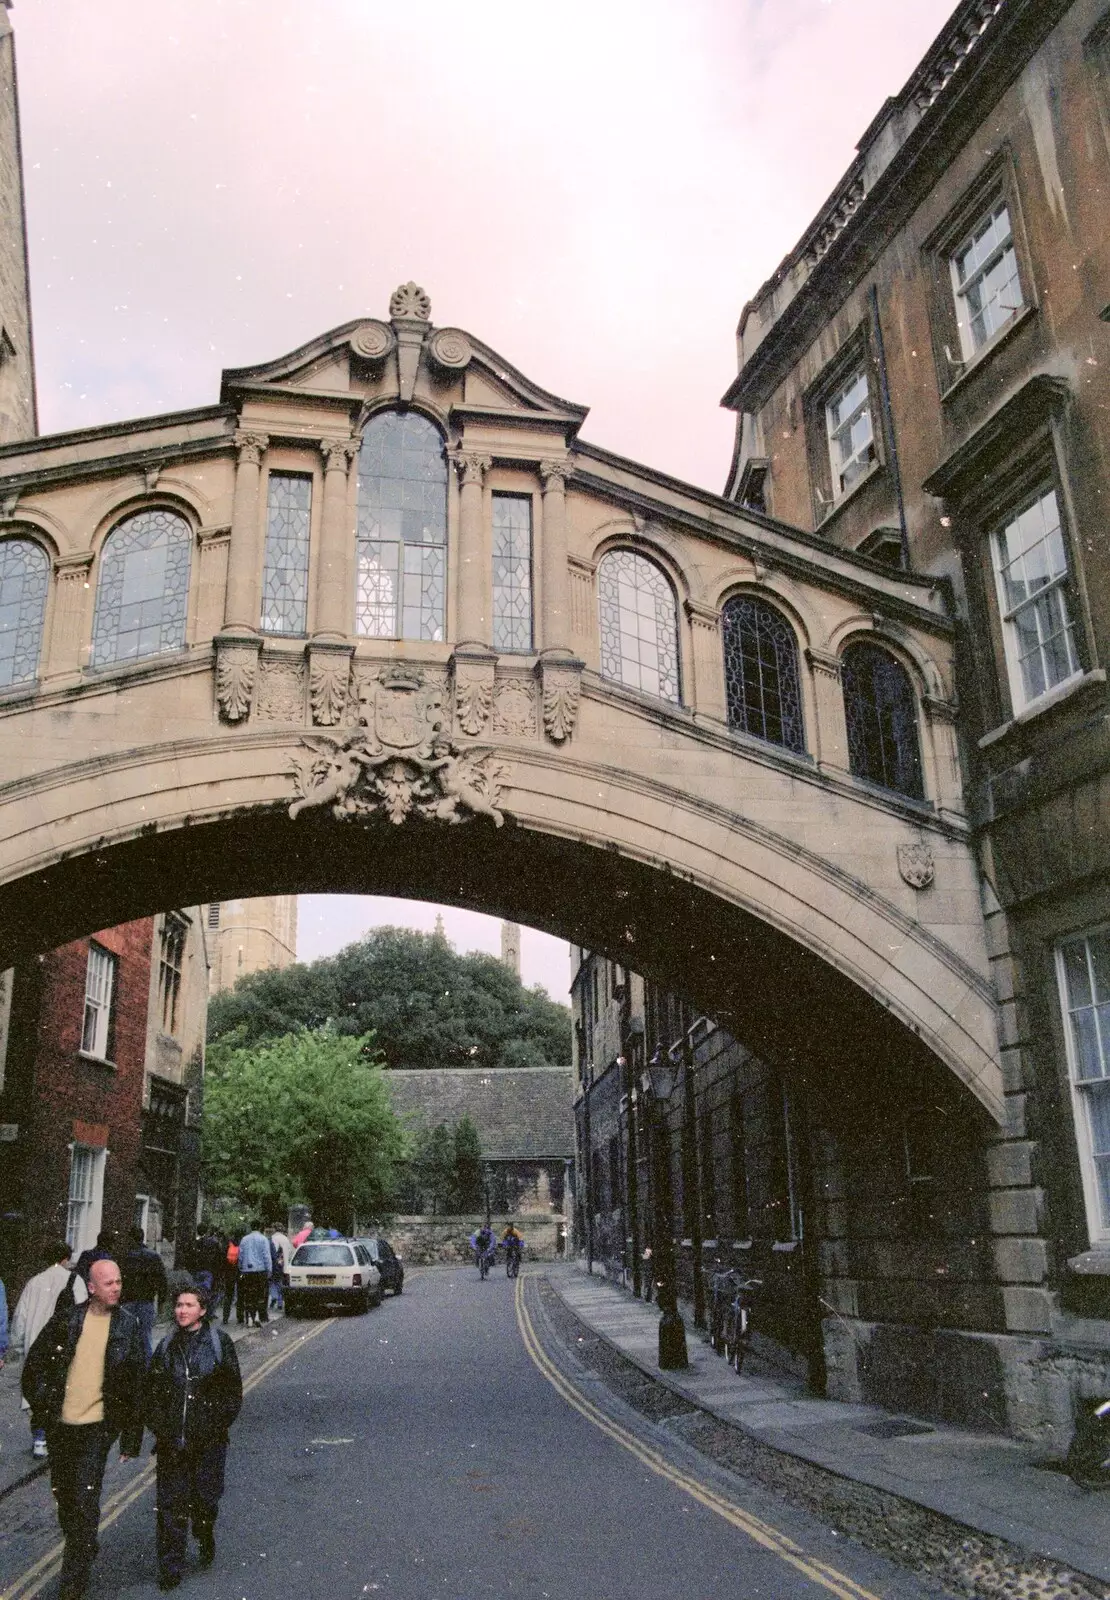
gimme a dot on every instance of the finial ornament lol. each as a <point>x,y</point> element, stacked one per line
<point>409,303</point>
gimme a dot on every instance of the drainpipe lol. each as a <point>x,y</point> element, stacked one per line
<point>888,422</point>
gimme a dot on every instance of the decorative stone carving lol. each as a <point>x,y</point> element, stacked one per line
<point>409,303</point>
<point>555,475</point>
<point>397,763</point>
<point>825,661</point>
<point>562,681</point>
<point>372,341</point>
<point>835,220</point>
<point>280,695</point>
<point>514,709</point>
<point>250,447</point>
<point>8,504</point>
<point>473,692</point>
<point>449,349</point>
<point>150,478</point>
<point>338,453</point>
<point>236,672</point>
<point>329,676</point>
<point>470,466</point>
<point>916,864</point>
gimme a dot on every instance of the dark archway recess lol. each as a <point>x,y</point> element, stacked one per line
<point>795,1009</point>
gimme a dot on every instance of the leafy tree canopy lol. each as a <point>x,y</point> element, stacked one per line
<point>426,1005</point>
<point>302,1118</point>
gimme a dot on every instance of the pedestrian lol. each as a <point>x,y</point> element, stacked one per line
<point>282,1248</point>
<point>103,1250</point>
<point>193,1395</point>
<point>55,1287</point>
<point>210,1257</point>
<point>255,1267</point>
<point>83,1378</point>
<point>144,1283</point>
<point>231,1279</point>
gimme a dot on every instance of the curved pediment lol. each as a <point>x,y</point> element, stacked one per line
<point>400,357</point>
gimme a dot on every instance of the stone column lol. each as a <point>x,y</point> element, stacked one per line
<point>555,619</point>
<point>335,601</point>
<point>243,600</point>
<point>709,668</point>
<point>940,728</point>
<point>830,737</point>
<point>71,621</point>
<point>475,577</point>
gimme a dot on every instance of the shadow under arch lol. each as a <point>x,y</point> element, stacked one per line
<point>785,1002</point>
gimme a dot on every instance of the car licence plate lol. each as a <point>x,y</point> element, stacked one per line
<point>321,1277</point>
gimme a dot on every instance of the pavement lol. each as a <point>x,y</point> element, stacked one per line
<point>991,1485</point>
<point>17,1464</point>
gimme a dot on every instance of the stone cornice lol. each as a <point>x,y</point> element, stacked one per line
<point>1038,399</point>
<point>86,469</point>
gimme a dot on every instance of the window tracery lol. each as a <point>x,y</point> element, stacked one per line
<point>639,624</point>
<point>142,594</point>
<point>762,686</point>
<point>402,529</point>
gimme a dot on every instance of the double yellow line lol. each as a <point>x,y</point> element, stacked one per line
<point>47,1567</point>
<point>761,1533</point>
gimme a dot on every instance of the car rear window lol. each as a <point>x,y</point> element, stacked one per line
<point>323,1255</point>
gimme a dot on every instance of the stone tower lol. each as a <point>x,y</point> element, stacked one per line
<point>246,936</point>
<point>510,946</point>
<point>18,415</point>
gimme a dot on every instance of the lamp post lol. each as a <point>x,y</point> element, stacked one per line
<point>672,1329</point>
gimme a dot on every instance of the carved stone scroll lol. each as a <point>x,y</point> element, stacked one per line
<point>561,681</point>
<point>373,341</point>
<point>474,675</point>
<point>449,349</point>
<point>236,676</point>
<point>329,676</point>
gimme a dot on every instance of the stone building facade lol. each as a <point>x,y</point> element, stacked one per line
<point>18,418</point>
<point>246,936</point>
<point>100,1090</point>
<point>925,380</point>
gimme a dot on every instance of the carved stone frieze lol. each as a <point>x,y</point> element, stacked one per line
<point>397,763</point>
<point>373,341</point>
<point>449,349</point>
<point>329,676</point>
<point>916,864</point>
<point>514,708</point>
<point>236,676</point>
<point>409,303</point>
<point>473,680</point>
<point>561,681</point>
<point>281,692</point>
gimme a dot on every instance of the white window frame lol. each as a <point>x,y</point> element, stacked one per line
<point>100,993</point>
<point>860,461</point>
<point>963,287</point>
<point>85,1207</point>
<point>1059,583</point>
<point>1098,1225</point>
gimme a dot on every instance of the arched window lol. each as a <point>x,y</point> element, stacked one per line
<point>402,529</point>
<point>24,578</point>
<point>142,595</point>
<point>881,713</point>
<point>639,624</point>
<point>761,672</point>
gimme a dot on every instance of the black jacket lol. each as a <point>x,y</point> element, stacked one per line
<point>191,1397</point>
<point>43,1380</point>
<point>144,1274</point>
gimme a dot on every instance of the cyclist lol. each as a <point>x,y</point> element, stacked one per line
<point>512,1243</point>
<point>484,1247</point>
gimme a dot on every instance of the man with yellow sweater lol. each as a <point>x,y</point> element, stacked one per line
<point>83,1380</point>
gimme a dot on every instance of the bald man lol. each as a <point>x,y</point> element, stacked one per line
<point>83,1379</point>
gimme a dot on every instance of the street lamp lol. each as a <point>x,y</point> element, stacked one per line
<point>672,1330</point>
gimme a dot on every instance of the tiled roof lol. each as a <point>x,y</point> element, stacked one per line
<point>520,1115</point>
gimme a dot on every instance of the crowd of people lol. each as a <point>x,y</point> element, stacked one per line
<point>92,1375</point>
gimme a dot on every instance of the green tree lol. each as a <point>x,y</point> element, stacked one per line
<point>303,1118</point>
<point>426,1005</point>
<point>468,1167</point>
<point>433,1168</point>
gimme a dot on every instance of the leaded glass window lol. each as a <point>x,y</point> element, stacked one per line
<point>24,579</point>
<point>881,713</point>
<point>639,624</point>
<point>512,572</point>
<point>285,573</point>
<point>402,529</point>
<point>143,593</point>
<point>762,687</point>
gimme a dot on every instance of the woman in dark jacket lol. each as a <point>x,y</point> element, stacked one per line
<point>193,1395</point>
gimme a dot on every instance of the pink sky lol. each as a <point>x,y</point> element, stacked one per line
<point>594,189</point>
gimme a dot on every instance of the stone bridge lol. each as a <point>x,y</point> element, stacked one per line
<point>380,621</point>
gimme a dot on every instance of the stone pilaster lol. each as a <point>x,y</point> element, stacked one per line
<point>709,668</point>
<point>213,546</point>
<point>71,627</point>
<point>831,734</point>
<point>475,576</point>
<point>243,601</point>
<point>940,730</point>
<point>335,601</point>
<point>555,618</point>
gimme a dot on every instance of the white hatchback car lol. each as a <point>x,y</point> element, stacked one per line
<point>332,1272</point>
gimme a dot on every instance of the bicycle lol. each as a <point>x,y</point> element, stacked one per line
<point>512,1261</point>
<point>738,1321</point>
<point>485,1260</point>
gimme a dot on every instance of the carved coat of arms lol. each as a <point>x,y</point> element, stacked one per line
<point>916,864</point>
<point>398,762</point>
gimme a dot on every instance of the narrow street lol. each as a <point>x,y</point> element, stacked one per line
<point>444,1445</point>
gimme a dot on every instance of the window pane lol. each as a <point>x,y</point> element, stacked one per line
<point>639,624</point>
<point>402,506</point>
<point>512,572</point>
<point>851,440</point>
<point>285,573</point>
<point>143,589</point>
<point>881,712</point>
<point>985,279</point>
<point>1098,1126</point>
<point>1086,967</point>
<point>24,578</point>
<point>1031,564</point>
<point>761,673</point>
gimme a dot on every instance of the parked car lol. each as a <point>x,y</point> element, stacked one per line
<point>388,1263</point>
<point>332,1272</point>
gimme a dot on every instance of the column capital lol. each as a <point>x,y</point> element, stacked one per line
<point>338,453</point>
<point>470,466</point>
<point>250,446</point>
<point>74,566</point>
<point>825,661</point>
<point>702,616</point>
<point>556,474</point>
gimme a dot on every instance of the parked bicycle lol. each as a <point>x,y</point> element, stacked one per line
<point>731,1297</point>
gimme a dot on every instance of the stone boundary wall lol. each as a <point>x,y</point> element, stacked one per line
<point>431,1241</point>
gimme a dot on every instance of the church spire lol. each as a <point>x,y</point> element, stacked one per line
<point>18,415</point>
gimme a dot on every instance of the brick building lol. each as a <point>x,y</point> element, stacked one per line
<point>101,1065</point>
